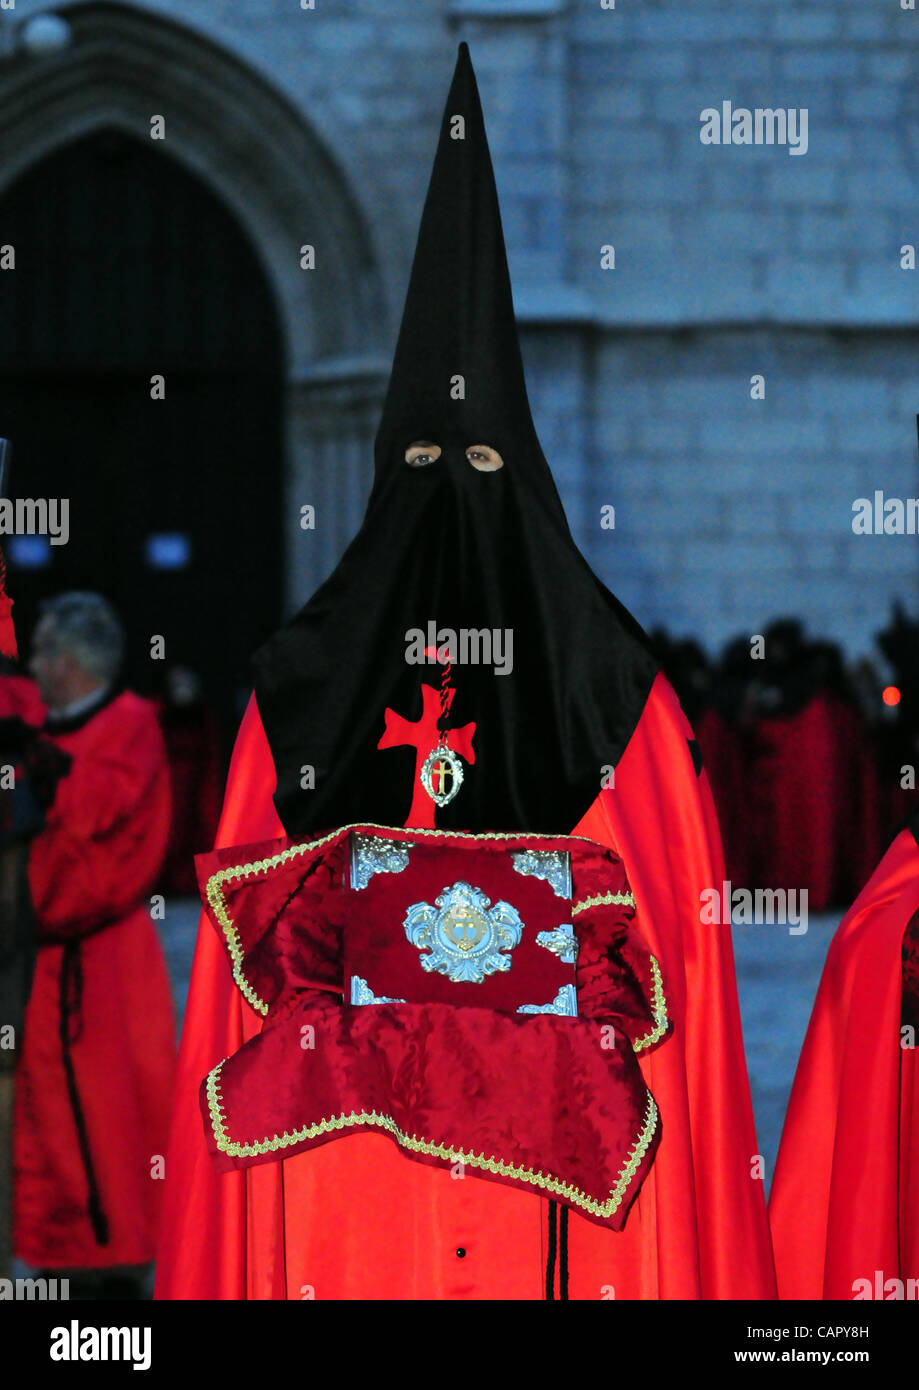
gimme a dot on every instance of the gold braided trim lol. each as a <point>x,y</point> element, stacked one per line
<point>602,900</point>
<point>546,1181</point>
<point>658,1008</point>
<point>217,901</point>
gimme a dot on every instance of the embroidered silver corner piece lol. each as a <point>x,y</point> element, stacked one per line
<point>361,993</point>
<point>554,865</point>
<point>562,943</point>
<point>464,936</point>
<point>372,855</point>
<point>565,1003</point>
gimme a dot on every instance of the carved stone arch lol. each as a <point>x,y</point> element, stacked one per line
<point>239,134</point>
<point>245,140</point>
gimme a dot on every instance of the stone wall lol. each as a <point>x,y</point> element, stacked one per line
<point>730,260</point>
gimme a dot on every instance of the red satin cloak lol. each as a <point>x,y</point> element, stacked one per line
<point>357,1219</point>
<point>97,859</point>
<point>845,1199</point>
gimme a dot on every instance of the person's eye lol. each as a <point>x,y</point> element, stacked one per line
<point>484,458</point>
<point>420,455</point>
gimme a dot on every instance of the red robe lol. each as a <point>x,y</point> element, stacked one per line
<point>859,838</point>
<point>845,1199</point>
<point>798,802</point>
<point>726,759</point>
<point>357,1219</point>
<point>193,748</point>
<point>90,872</point>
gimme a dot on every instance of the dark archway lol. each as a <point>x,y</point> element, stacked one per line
<point>128,266</point>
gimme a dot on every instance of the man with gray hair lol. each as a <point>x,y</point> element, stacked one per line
<point>98,1051</point>
<point>77,653</point>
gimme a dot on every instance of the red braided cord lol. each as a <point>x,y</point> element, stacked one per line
<point>447,691</point>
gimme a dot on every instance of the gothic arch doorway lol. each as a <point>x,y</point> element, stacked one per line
<point>129,267</point>
<point>269,171</point>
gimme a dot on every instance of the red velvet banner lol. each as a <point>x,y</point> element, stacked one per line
<point>478,998</point>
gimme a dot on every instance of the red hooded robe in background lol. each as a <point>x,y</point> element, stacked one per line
<point>192,739</point>
<point>92,1116</point>
<point>844,1206</point>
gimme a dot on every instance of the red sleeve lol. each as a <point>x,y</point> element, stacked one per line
<point>107,830</point>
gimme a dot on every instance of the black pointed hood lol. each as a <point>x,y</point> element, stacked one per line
<point>458,319</point>
<point>465,549</point>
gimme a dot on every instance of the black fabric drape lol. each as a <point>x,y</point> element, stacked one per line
<point>462,548</point>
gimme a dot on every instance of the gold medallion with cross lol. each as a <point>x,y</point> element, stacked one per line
<point>442,774</point>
